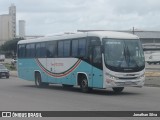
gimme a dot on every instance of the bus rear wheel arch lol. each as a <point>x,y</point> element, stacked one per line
<point>38,81</point>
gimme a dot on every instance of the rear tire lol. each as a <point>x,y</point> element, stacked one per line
<point>38,81</point>
<point>118,89</point>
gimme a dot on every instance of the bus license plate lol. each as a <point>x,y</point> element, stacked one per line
<point>129,83</point>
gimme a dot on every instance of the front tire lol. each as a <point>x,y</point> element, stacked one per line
<point>84,85</point>
<point>118,89</point>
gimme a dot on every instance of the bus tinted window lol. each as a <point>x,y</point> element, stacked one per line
<point>27,50</point>
<point>30,50</point>
<point>82,47</point>
<point>51,49</point>
<point>75,48</point>
<point>40,50</point>
<point>60,49</point>
<point>66,48</point>
<point>21,51</point>
<point>43,50</point>
<point>38,45</point>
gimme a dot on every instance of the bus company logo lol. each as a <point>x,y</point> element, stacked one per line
<point>57,64</point>
<point>6,114</point>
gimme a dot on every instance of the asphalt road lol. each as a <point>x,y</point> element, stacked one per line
<point>20,95</point>
<point>16,94</point>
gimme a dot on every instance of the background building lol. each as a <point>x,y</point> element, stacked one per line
<point>5,28</point>
<point>150,39</point>
<point>12,13</point>
<point>146,37</point>
<point>8,25</point>
<point>22,28</point>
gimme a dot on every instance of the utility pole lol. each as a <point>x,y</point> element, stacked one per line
<point>133,30</point>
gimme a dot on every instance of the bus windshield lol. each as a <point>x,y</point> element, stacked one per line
<point>123,55</point>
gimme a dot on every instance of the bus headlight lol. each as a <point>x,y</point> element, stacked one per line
<point>142,76</point>
<point>111,76</point>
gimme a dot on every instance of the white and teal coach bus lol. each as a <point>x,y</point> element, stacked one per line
<point>86,59</point>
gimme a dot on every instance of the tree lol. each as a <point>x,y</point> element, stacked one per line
<point>10,47</point>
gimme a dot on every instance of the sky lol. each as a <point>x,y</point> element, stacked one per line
<point>45,17</point>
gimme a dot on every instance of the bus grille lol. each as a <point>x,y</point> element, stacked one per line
<point>130,78</point>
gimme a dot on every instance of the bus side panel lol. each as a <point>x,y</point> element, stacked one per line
<point>60,71</point>
<point>97,77</point>
<point>66,70</point>
<point>39,64</point>
<point>26,69</point>
<point>50,66</point>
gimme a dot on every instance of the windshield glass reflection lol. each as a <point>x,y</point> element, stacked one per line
<point>123,55</point>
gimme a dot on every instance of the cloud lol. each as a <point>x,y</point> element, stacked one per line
<point>135,6</point>
<point>52,16</point>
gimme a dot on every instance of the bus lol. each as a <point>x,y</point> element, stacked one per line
<point>84,59</point>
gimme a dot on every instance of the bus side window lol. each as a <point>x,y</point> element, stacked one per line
<point>40,50</point>
<point>21,51</point>
<point>43,50</point>
<point>93,41</point>
<point>60,49</point>
<point>30,51</point>
<point>66,48</point>
<point>51,49</point>
<point>82,47</point>
<point>97,54</point>
<point>38,45</point>
<point>74,48</point>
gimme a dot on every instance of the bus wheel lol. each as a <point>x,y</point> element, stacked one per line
<point>118,89</point>
<point>38,81</point>
<point>84,85</point>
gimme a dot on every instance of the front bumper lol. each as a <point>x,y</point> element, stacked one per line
<point>125,83</point>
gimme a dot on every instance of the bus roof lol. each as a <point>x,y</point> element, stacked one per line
<point>100,34</point>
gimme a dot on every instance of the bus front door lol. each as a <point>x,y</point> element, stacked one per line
<point>97,73</point>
